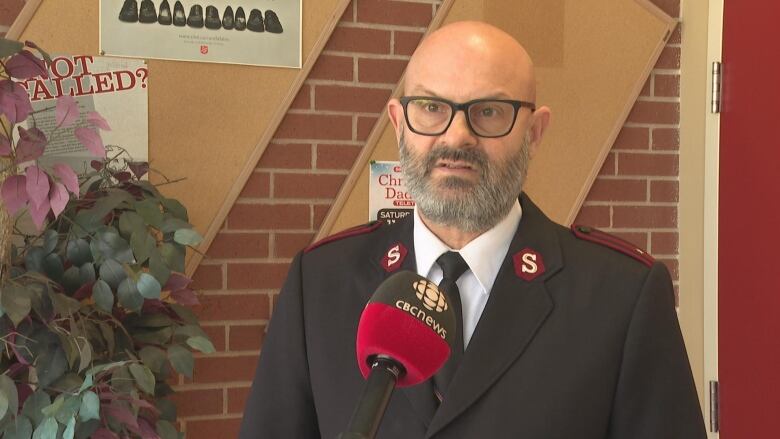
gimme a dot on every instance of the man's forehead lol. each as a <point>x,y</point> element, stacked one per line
<point>422,90</point>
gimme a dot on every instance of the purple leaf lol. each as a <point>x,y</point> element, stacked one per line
<point>177,281</point>
<point>139,168</point>
<point>38,213</point>
<point>94,118</point>
<point>147,431</point>
<point>5,146</point>
<point>185,297</point>
<point>68,177</point>
<point>67,111</point>
<point>123,415</point>
<point>14,102</point>
<point>58,198</point>
<point>37,186</point>
<point>25,65</point>
<point>14,193</point>
<point>96,165</point>
<point>31,144</point>
<point>91,140</point>
<point>104,433</point>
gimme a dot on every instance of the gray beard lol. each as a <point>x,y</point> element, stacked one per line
<point>477,207</point>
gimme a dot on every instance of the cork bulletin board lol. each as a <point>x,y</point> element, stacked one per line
<point>592,58</point>
<point>208,123</point>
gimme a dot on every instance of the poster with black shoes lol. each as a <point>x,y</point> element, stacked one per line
<point>251,32</point>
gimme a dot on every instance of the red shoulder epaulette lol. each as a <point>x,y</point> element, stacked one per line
<point>352,231</point>
<point>613,242</point>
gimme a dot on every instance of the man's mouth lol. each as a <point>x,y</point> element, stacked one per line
<point>454,165</point>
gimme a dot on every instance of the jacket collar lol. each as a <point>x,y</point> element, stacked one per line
<point>515,311</point>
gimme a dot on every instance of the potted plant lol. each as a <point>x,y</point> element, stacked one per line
<point>95,315</point>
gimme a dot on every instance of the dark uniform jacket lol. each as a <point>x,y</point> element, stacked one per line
<point>589,348</point>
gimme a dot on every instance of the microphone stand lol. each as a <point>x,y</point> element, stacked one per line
<point>371,407</point>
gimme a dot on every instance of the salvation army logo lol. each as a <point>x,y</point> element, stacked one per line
<point>204,49</point>
<point>430,296</point>
<point>394,257</point>
<point>528,264</point>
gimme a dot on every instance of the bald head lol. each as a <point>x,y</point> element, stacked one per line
<point>471,58</point>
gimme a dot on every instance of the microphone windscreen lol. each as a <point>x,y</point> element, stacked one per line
<point>409,320</point>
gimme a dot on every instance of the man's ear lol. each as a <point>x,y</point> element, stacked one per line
<point>539,122</point>
<point>395,111</point>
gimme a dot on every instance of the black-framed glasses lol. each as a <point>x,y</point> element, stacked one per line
<point>430,116</point>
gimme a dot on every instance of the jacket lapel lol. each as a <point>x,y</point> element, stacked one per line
<point>515,311</point>
<point>420,396</point>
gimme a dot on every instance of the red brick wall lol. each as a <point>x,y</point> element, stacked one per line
<point>288,196</point>
<point>296,180</point>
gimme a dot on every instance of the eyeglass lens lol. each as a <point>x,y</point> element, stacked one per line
<point>489,118</point>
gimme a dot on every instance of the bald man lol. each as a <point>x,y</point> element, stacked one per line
<point>564,333</point>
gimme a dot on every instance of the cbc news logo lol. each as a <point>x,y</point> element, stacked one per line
<point>430,296</point>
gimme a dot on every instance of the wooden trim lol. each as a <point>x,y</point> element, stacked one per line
<point>23,19</point>
<point>372,141</point>
<point>257,152</point>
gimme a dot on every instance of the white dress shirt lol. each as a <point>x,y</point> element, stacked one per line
<point>484,255</point>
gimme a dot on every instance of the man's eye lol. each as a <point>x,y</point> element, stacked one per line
<point>490,112</point>
<point>432,107</point>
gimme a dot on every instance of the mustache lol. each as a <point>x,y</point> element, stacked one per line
<point>474,157</point>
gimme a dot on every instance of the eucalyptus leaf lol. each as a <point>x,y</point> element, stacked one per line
<point>112,272</point>
<point>129,223</point>
<point>87,222</point>
<point>90,406</point>
<point>167,409</point>
<point>121,379</point>
<point>109,244</point>
<point>89,380</point>
<point>54,407</point>
<point>70,429</point>
<point>108,337</point>
<point>33,260</point>
<point>9,47</point>
<point>87,273</point>
<point>47,429</point>
<point>157,320</point>
<point>172,224</point>
<point>185,313</point>
<point>71,279</point>
<point>103,296</point>
<point>50,239</point>
<point>51,365</point>
<point>160,336</point>
<point>78,252</point>
<point>20,429</point>
<point>104,367</point>
<point>64,305</point>
<point>85,354</point>
<point>10,395</point>
<point>154,358</point>
<point>86,430</point>
<point>175,208</point>
<point>157,267</point>
<point>53,267</point>
<point>34,405</point>
<point>202,344</point>
<point>181,359</point>
<point>69,408</point>
<point>41,300</point>
<point>129,296</point>
<point>173,255</point>
<point>142,243</point>
<point>143,377</point>
<point>187,237</point>
<point>149,210</point>
<point>148,286</point>
<point>16,302</point>
<point>190,331</point>
<point>166,430</point>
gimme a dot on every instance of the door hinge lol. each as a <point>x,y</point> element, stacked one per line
<point>714,407</point>
<point>716,86</point>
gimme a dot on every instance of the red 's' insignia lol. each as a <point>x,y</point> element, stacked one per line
<point>528,264</point>
<point>394,257</point>
<point>204,49</point>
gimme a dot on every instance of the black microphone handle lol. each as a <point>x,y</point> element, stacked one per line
<point>373,402</point>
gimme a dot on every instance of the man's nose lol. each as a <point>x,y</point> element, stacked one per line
<point>459,133</point>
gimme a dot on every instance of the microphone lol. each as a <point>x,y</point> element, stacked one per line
<point>404,336</point>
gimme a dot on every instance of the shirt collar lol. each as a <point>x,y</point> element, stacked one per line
<point>484,254</point>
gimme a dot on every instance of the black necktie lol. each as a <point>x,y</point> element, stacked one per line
<point>453,266</point>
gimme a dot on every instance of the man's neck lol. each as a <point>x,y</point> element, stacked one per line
<point>455,238</point>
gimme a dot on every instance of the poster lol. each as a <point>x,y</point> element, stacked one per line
<point>116,88</point>
<point>388,200</point>
<point>252,32</point>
